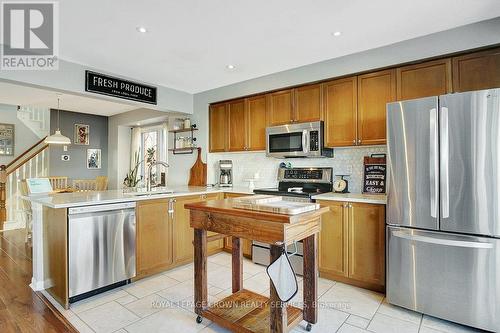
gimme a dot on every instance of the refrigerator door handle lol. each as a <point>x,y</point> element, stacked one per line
<point>433,162</point>
<point>441,241</point>
<point>445,156</point>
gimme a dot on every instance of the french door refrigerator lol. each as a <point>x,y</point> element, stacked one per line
<point>443,209</point>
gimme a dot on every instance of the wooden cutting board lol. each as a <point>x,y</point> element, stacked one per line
<point>198,172</point>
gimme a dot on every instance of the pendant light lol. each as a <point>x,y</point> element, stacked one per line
<point>57,138</point>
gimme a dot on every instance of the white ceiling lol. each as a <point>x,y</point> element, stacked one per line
<point>22,95</point>
<point>190,42</point>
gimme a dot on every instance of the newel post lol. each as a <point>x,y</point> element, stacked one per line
<point>3,195</point>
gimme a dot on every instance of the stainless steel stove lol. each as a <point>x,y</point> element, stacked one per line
<point>294,184</point>
<point>301,183</point>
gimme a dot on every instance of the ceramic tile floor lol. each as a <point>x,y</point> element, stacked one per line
<point>163,303</point>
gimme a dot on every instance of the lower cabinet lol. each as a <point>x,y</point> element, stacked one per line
<point>164,237</point>
<point>154,250</point>
<point>352,244</point>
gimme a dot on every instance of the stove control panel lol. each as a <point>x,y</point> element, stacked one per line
<point>305,175</point>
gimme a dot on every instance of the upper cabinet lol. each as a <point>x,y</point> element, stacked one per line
<point>340,99</point>
<point>237,120</point>
<point>295,105</point>
<point>476,71</point>
<point>239,125</point>
<point>257,122</point>
<point>218,127</point>
<point>308,105</point>
<point>281,107</point>
<point>353,108</point>
<point>375,90</point>
<point>430,78</point>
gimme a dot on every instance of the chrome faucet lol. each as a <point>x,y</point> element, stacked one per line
<point>150,168</point>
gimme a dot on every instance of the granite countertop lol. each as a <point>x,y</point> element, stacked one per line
<point>353,197</point>
<point>79,199</point>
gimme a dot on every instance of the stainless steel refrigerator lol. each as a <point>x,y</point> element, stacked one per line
<point>443,210</point>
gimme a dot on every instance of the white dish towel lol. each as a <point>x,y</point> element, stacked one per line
<point>283,277</point>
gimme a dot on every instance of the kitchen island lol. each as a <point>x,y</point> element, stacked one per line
<point>159,217</point>
<point>246,311</point>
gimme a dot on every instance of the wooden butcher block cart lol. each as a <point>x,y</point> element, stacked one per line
<point>244,310</point>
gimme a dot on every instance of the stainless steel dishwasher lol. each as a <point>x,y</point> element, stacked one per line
<point>101,248</point>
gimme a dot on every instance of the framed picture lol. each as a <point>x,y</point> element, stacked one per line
<point>6,139</point>
<point>93,158</point>
<point>82,133</point>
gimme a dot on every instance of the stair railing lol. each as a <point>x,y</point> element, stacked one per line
<point>33,163</point>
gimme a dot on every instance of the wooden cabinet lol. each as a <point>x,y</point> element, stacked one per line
<point>217,127</point>
<point>476,71</point>
<point>238,125</point>
<point>301,104</point>
<point>431,78</point>
<point>366,244</point>
<point>164,235</point>
<point>280,107</point>
<point>256,122</point>
<point>375,90</point>
<point>340,99</point>
<point>352,244</point>
<point>154,236</point>
<point>308,105</point>
<point>333,240</point>
<point>183,240</point>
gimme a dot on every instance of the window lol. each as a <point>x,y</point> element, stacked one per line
<point>153,148</point>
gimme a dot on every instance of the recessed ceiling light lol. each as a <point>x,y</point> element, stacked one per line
<point>336,33</point>
<point>230,67</point>
<point>142,29</point>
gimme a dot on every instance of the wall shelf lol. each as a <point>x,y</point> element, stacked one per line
<point>183,130</point>
<point>187,150</point>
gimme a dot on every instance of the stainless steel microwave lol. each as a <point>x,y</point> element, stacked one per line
<point>297,140</point>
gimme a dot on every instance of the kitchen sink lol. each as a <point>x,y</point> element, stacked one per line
<point>143,192</point>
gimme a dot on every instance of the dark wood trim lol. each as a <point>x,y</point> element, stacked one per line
<point>442,56</point>
<point>200,271</point>
<point>25,152</point>
<point>38,151</point>
<point>237,265</point>
<point>56,313</point>
<point>310,253</point>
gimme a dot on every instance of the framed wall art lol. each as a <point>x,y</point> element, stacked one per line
<point>93,158</point>
<point>7,139</point>
<point>82,133</point>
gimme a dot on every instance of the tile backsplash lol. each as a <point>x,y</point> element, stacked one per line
<point>246,165</point>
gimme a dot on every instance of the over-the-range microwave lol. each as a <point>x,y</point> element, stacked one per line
<point>297,140</point>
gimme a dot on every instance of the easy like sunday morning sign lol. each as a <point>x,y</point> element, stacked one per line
<point>374,174</point>
<point>112,86</point>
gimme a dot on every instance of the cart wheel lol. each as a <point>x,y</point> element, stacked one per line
<point>199,319</point>
<point>309,327</point>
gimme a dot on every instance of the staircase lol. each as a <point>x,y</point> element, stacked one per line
<point>33,163</point>
<point>36,119</point>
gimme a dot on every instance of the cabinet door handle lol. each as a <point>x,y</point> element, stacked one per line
<point>350,205</point>
<point>359,141</point>
<point>354,141</point>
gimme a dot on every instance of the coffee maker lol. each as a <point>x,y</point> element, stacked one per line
<point>225,173</point>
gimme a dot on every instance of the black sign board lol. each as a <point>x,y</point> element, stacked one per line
<point>112,86</point>
<point>374,174</point>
